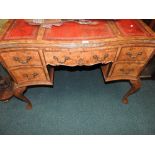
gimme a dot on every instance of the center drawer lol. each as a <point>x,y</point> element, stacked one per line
<point>21,57</point>
<point>73,58</point>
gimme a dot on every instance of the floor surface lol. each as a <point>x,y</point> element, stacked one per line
<point>81,103</point>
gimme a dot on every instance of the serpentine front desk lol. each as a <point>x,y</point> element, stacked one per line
<point>122,47</point>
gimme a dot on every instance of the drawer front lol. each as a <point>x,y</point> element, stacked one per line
<point>74,58</point>
<point>30,75</point>
<point>127,69</point>
<point>135,53</point>
<point>17,58</point>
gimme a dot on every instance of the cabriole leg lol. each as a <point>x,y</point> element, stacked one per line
<point>18,92</point>
<point>135,85</point>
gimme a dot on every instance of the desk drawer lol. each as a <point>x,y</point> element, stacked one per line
<point>126,69</point>
<point>135,53</point>
<point>23,57</point>
<point>73,58</point>
<point>29,74</point>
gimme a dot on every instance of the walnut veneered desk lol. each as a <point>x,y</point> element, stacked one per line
<point>122,47</point>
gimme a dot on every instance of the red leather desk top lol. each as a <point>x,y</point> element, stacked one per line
<point>20,29</point>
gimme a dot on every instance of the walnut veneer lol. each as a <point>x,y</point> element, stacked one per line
<point>122,47</point>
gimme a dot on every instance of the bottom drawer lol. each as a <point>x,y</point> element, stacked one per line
<point>29,75</point>
<point>126,69</point>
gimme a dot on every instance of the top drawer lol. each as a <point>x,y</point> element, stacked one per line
<point>21,57</point>
<point>76,57</point>
<point>135,53</point>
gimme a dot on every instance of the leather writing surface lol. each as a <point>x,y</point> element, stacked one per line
<point>130,27</point>
<point>20,29</point>
<point>72,30</point>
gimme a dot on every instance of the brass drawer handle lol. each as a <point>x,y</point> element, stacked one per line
<point>106,56</point>
<point>96,57</point>
<point>126,71</point>
<point>22,61</point>
<point>31,76</point>
<point>133,56</point>
<point>63,61</point>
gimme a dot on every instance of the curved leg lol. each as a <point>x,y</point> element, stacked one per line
<point>135,85</point>
<point>18,92</point>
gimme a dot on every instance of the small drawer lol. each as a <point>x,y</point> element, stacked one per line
<point>29,74</point>
<point>135,53</point>
<point>73,58</point>
<point>23,57</point>
<point>126,69</point>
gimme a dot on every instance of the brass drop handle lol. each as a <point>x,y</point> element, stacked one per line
<point>30,76</point>
<point>63,61</point>
<point>133,56</point>
<point>126,71</point>
<point>106,55</point>
<point>28,58</point>
<point>96,57</point>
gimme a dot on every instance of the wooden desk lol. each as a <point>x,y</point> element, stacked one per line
<point>123,46</point>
